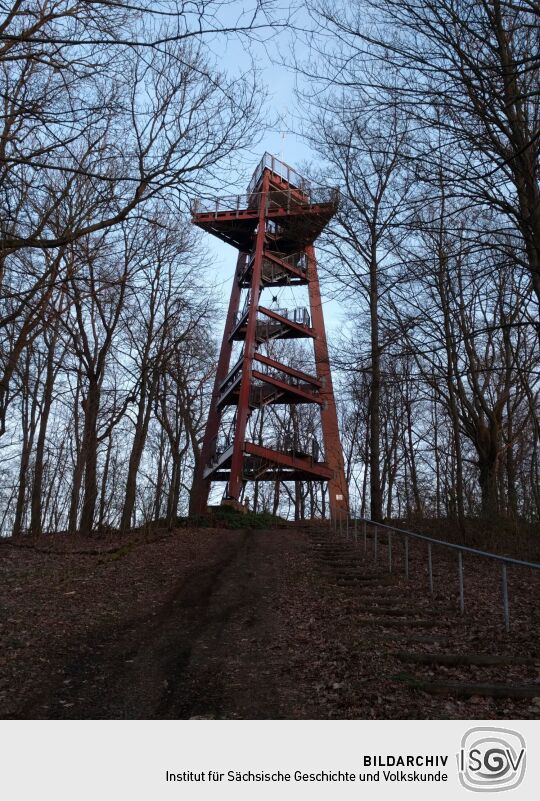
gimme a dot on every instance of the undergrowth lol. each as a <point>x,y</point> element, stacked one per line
<point>228,517</point>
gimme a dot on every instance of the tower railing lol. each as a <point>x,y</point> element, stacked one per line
<point>299,315</point>
<point>282,375</point>
<point>278,167</point>
<point>309,446</point>
<point>298,261</point>
<point>276,199</point>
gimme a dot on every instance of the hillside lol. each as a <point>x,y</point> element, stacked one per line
<point>274,623</point>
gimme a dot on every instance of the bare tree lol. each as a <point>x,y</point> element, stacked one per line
<point>366,157</point>
<point>468,76</point>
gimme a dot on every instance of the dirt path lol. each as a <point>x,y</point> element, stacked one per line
<point>281,623</point>
<point>203,650</point>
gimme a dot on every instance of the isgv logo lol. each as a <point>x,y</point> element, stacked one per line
<point>491,759</point>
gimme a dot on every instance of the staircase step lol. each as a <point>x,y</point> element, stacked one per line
<point>420,639</point>
<point>359,581</point>
<point>351,574</point>
<point>396,622</point>
<point>391,611</point>
<point>385,600</point>
<point>467,659</point>
<point>464,689</point>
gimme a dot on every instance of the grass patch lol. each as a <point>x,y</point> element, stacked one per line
<point>228,517</point>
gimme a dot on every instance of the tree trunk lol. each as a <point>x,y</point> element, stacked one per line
<point>275,506</point>
<point>36,522</point>
<point>29,428</point>
<point>374,397</point>
<point>79,464</point>
<point>412,458</point>
<point>21,494</point>
<point>488,488</point>
<point>174,493</point>
<point>104,484</point>
<point>487,450</point>
<point>89,448</point>
<point>159,477</point>
<point>137,448</point>
<point>437,458</point>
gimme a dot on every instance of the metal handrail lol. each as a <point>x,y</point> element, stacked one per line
<point>504,561</point>
<point>240,204</point>
<point>299,315</point>
<point>228,203</point>
<point>231,374</point>
<point>454,546</point>
<point>280,168</point>
<point>296,260</point>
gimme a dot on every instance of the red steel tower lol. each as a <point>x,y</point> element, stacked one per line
<point>273,226</point>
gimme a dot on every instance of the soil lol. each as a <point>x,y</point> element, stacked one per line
<point>289,622</point>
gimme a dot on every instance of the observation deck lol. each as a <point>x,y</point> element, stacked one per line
<point>296,211</point>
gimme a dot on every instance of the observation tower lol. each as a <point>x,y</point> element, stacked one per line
<point>274,227</point>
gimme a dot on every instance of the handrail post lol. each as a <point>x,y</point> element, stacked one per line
<point>407,558</point>
<point>461,588</point>
<point>504,561</point>
<point>506,609</point>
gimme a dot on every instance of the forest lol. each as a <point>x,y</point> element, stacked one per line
<point>117,115</point>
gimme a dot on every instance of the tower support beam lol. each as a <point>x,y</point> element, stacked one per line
<point>235,481</point>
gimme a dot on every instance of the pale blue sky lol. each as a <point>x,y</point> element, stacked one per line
<point>282,140</point>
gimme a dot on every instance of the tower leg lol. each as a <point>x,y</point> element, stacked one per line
<point>237,461</point>
<point>337,486</point>
<point>201,487</point>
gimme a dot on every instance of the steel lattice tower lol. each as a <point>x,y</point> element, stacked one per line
<point>273,226</point>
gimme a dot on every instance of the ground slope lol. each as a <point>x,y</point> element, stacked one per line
<point>277,623</point>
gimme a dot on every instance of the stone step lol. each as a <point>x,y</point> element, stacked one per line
<point>351,574</point>
<point>390,622</point>
<point>392,611</point>
<point>373,582</point>
<point>420,639</point>
<point>384,600</point>
<point>468,689</point>
<point>472,660</point>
